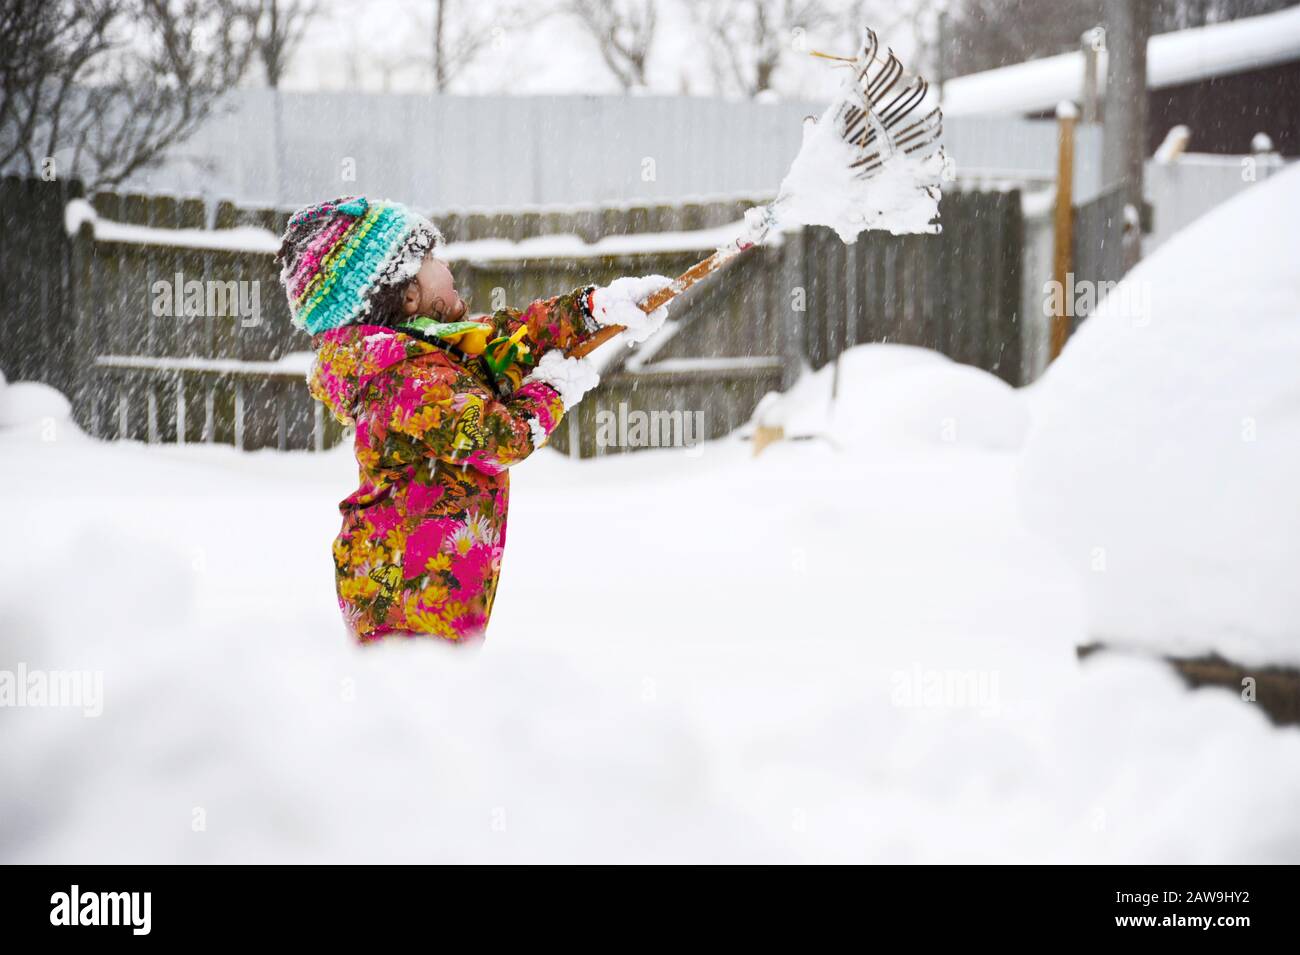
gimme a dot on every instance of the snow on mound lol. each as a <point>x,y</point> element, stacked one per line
<point>805,408</point>
<point>30,402</point>
<point>1165,459</point>
<point>864,363</point>
<point>901,392</point>
<point>949,404</point>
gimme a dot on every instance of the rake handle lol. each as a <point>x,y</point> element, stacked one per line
<point>700,270</point>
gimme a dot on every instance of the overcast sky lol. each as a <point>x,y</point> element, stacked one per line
<point>374,45</point>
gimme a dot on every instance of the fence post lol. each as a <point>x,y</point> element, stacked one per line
<point>180,408</point>
<point>1128,28</point>
<point>83,375</point>
<point>792,275</point>
<point>1092,42</point>
<point>1063,226</point>
<point>1012,322</point>
<point>239,412</point>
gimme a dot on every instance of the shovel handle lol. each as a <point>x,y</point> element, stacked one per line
<point>700,270</point>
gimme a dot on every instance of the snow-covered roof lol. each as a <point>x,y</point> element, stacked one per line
<point>1172,59</point>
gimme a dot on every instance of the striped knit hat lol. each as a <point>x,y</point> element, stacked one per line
<point>336,255</point>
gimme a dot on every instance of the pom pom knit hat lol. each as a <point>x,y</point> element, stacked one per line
<point>336,255</point>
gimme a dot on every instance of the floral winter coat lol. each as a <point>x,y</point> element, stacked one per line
<point>437,427</point>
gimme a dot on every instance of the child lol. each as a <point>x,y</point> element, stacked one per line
<point>442,407</point>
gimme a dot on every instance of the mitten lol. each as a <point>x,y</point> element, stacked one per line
<point>618,303</point>
<point>571,377</point>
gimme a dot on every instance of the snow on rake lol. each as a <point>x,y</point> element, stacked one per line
<point>869,163</point>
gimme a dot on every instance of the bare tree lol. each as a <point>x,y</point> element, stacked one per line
<point>115,83</point>
<point>749,39</point>
<point>42,54</point>
<point>279,28</point>
<point>459,33</point>
<point>623,31</point>
<point>916,21</point>
<point>281,25</point>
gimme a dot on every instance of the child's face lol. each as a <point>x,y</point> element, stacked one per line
<point>433,292</point>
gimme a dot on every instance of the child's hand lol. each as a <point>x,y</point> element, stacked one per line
<point>619,303</point>
<point>571,377</point>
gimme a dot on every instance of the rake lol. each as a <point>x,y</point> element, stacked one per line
<point>869,163</point>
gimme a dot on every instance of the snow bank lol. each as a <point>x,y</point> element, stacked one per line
<point>903,393</point>
<point>27,403</point>
<point>1165,463</point>
<point>957,406</point>
<point>811,656</point>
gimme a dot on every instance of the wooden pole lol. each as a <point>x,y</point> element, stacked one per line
<point>1128,25</point>
<point>1063,227</point>
<point>1092,43</point>
<point>700,270</point>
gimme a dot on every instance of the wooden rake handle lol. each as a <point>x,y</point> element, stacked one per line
<point>697,272</point>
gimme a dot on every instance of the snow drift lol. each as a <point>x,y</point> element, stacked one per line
<point>1165,461</point>
<point>819,655</point>
<point>27,403</point>
<point>901,394</point>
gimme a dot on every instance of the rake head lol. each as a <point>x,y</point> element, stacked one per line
<point>876,116</point>
<point>869,163</point>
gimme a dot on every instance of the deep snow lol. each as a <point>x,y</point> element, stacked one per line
<point>695,655</point>
<point>1165,461</point>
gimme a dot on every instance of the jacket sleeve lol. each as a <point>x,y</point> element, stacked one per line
<point>521,338</point>
<point>429,409</point>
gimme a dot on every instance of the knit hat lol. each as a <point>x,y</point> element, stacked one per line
<point>336,255</point>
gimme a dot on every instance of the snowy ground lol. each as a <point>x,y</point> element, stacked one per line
<point>848,649</point>
<point>830,655</point>
<point>1165,458</point>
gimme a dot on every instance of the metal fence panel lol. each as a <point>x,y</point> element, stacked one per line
<point>1185,189</point>
<point>507,152</point>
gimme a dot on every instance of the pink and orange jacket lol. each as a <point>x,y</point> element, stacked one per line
<point>437,427</point>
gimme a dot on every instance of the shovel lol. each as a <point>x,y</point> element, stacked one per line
<point>869,163</point>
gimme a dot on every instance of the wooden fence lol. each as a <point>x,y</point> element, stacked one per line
<point>1098,240</point>
<point>957,293</point>
<point>80,311</point>
<point>36,313</point>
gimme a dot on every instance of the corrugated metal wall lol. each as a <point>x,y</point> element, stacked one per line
<point>498,152</point>
<point>1185,189</point>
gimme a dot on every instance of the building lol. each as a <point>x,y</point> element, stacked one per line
<point>1225,82</point>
